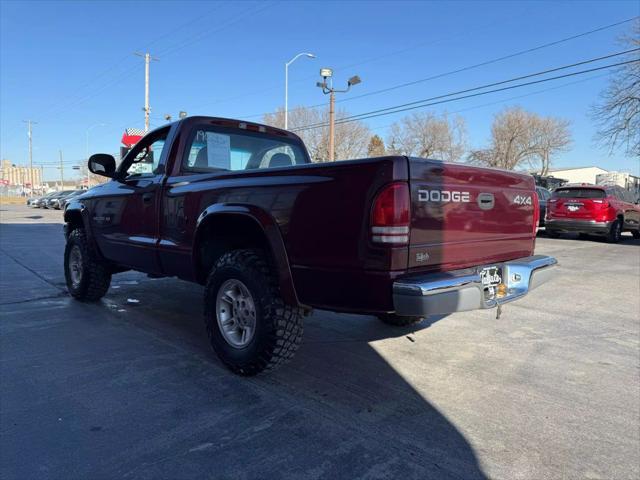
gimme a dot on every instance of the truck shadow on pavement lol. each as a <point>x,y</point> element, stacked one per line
<point>132,388</point>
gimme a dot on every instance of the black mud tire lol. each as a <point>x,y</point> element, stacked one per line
<point>278,328</point>
<point>551,233</point>
<point>636,233</point>
<point>96,275</point>
<point>615,232</point>
<point>399,320</point>
<point>584,236</point>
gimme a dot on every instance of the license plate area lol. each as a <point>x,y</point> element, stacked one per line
<point>491,277</point>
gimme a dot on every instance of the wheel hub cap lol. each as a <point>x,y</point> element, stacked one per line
<point>236,313</point>
<point>75,265</point>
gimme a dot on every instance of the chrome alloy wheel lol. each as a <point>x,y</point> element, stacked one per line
<point>75,265</point>
<point>236,313</point>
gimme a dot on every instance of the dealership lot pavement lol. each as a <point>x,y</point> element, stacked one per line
<point>128,387</point>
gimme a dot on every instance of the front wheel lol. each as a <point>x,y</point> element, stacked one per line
<point>87,277</point>
<point>399,320</point>
<point>250,327</point>
<point>635,233</point>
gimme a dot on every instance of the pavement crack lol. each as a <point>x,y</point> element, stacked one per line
<point>49,297</point>
<point>29,269</point>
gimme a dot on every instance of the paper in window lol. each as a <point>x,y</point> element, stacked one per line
<point>218,150</point>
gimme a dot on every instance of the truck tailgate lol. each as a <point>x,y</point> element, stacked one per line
<point>464,216</point>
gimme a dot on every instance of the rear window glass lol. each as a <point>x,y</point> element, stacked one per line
<point>578,193</point>
<point>225,149</point>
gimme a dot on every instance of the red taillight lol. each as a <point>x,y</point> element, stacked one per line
<point>390,215</point>
<point>536,213</point>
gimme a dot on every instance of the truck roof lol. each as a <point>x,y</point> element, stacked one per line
<point>242,124</point>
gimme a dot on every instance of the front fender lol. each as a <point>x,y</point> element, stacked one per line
<point>272,234</point>
<point>76,214</point>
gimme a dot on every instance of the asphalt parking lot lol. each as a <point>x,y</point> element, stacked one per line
<point>128,387</point>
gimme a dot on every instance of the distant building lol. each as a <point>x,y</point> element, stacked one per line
<point>13,175</point>
<point>578,174</point>
<point>621,179</point>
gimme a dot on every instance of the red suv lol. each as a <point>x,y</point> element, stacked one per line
<point>593,209</point>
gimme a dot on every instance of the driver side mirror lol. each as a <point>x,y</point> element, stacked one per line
<point>102,164</point>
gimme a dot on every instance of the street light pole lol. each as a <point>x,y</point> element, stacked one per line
<point>31,176</point>
<point>328,89</point>
<point>89,130</point>
<point>286,85</point>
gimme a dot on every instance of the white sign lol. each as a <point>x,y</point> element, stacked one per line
<point>218,150</point>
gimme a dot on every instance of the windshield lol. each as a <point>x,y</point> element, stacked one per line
<point>579,193</point>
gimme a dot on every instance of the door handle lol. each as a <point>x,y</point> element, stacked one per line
<point>147,197</point>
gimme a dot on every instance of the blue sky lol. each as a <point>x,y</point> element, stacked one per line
<point>70,65</point>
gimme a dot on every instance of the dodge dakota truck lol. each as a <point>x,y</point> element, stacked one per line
<point>240,208</point>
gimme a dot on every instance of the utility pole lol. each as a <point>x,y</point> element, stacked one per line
<point>30,123</point>
<point>147,109</point>
<point>332,115</point>
<point>327,89</point>
<point>61,171</point>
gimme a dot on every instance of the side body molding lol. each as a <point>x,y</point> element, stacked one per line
<point>265,222</point>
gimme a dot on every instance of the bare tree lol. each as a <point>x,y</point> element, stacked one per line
<point>430,136</point>
<point>551,136</point>
<point>618,113</point>
<point>376,147</point>
<point>350,138</point>
<point>519,137</point>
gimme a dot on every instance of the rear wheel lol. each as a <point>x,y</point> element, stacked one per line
<point>615,232</point>
<point>87,277</point>
<point>250,327</point>
<point>399,320</point>
<point>552,233</point>
<point>635,233</point>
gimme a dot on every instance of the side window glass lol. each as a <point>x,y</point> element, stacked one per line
<point>148,159</point>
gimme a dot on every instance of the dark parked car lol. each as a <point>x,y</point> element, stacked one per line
<point>37,202</point>
<point>240,208</point>
<point>543,196</point>
<point>62,202</point>
<point>56,201</point>
<point>593,209</point>
<point>52,201</point>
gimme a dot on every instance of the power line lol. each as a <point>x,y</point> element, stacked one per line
<point>468,67</point>
<point>77,98</point>
<point>488,85</point>
<point>492,61</point>
<point>364,116</point>
<point>196,38</point>
<point>515,97</point>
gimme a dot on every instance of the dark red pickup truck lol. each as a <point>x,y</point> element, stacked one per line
<point>240,208</point>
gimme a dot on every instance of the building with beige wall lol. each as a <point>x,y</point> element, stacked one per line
<point>19,175</point>
<point>578,174</point>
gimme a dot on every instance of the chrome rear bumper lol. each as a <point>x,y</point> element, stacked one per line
<point>462,290</point>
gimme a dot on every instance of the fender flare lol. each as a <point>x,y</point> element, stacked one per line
<point>77,208</point>
<point>265,222</point>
